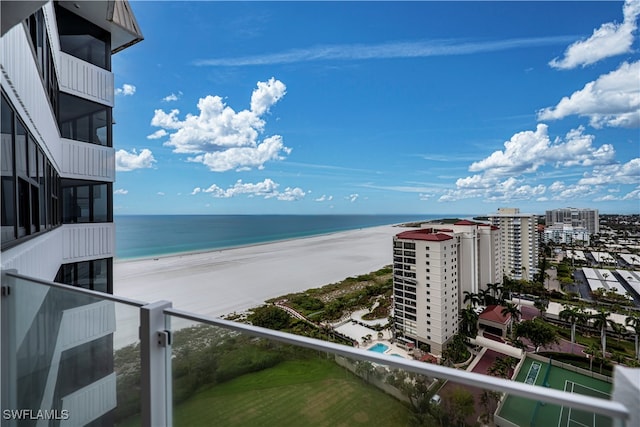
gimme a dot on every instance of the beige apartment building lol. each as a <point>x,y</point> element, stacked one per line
<point>519,242</point>
<point>433,266</point>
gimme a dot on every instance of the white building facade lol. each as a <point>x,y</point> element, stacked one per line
<point>58,169</point>
<point>575,217</point>
<point>567,234</point>
<point>433,267</point>
<point>518,241</point>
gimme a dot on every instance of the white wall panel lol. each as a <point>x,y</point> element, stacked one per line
<point>46,249</point>
<point>90,402</point>
<point>68,243</point>
<point>87,161</point>
<point>80,78</point>
<point>81,242</point>
<point>22,81</point>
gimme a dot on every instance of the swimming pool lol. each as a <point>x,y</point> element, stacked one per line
<point>379,348</point>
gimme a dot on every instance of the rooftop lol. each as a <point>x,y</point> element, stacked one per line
<point>423,234</point>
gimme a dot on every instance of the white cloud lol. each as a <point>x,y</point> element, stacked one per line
<point>410,49</point>
<point>157,134</point>
<point>172,97</point>
<point>223,139</point>
<point>126,90</point>
<point>527,151</point>
<point>121,191</point>
<point>266,95</point>
<point>561,191</point>
<point>609,40</point>
<point>511,173</point>
<point>352,197</point>
<point>160,193</point>
<point>243,158</point>
<point>267,189</point>
<point>611,100</point>
<point>126,161</point>
<point>633,195</point>
<point>324,198</point>
<point>627,173</point>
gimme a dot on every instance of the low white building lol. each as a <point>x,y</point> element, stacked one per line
<point>567,234</point>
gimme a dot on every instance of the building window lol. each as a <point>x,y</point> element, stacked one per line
<point>83,39</point>
<point>86,201</point>
<point>96,275</point>
<point>83,120</point>
<point>41,45</point>
<point>28,182</point>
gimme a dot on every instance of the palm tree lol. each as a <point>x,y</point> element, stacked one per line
<point>496,291</point>
<point>472,298</point>
<point>591,351</point>
<point>541,305</point>
<point>600,321</point>
<point>634,322</point>
<point>469,322</point>
<point>511,309</point>
<point>574,316</point>
<point>485,297</point>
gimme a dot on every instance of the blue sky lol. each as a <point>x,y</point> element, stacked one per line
<point>378,107</point>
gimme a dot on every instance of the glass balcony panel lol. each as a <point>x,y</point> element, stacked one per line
<point>76,354</point>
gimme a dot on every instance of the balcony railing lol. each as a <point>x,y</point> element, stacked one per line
<point>164,360</point>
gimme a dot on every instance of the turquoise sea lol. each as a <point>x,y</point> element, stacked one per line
<point>146,236</point>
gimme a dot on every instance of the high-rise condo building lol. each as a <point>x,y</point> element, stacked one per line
<point>576,218</point>
<point>58,169</point>
<point>432,268</point>
<point>518,241</point>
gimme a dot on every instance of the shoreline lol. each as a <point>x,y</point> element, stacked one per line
<point>228,248</point>
<point>221,282</point>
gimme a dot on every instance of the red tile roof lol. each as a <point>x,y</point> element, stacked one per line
<point>423,234</point>
<point>465,222</point>
<point>493,313</point>
<point>493,227</point>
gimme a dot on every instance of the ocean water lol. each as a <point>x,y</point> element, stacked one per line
<point>147,236</point>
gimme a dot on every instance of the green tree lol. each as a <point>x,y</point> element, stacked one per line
<point>459,404</point>
<point>541,305</point>
<point>270,316</point>
<point>601,321</point>
<point>472,299</point>
<point>539,332</point>
<point>634,322</point>
<point>456,349</point>
<point>469,322</point>
<point>574,316</point>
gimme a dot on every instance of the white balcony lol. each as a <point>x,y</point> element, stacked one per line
<point>80,78</point>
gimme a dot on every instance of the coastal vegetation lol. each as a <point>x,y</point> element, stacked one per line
<point>329,303</point>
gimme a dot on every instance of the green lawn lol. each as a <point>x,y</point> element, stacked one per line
<point>294,393</point>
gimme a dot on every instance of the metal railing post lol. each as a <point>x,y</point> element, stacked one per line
<point>8,350</point>
<point>155,377</point>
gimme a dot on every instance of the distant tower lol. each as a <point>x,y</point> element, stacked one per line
<point>576,218</point>
<point>518,241</point>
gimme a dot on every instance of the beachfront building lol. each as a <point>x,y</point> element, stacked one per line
<point>58,168</point>
<point>518,241</point>
<point>478,255</point>
<point>425,287</point>
<point>574,217</point>
<point>433,267</point>
<point>566,234</point>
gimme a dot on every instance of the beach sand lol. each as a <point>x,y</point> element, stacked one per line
<point>222,282</point>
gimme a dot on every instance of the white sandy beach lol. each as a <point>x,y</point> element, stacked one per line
<point>218,283</point>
